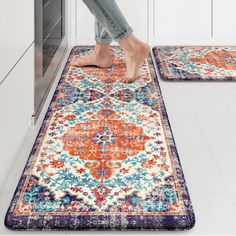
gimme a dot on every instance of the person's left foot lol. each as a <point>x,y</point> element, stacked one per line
<point>94,59</point>
<point>100,57</point>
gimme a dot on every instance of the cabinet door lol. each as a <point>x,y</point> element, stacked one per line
<point>182,18</point>
<point>136,13</point>
<point>16,109</point>
<point>17,32</point>
<point>224,18</point>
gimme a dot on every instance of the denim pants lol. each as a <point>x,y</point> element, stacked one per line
<point>110,24</point>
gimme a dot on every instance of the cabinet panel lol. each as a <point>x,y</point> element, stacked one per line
<point>182,18</point>
<point>16,109</point>
<point>17,32</point>
<point>84,21</point>
<point>224,18</point>
<point>135,11</point>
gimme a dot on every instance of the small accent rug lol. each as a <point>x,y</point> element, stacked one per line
<point>196,63</point>
<point>105,157</point>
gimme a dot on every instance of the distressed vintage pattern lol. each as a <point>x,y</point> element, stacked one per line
<point>196,63</point>
<point>105,157</point>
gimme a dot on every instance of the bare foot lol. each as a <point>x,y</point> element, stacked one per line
<point>100,57</point>
<point>135,56</point>
<point>134,61</point>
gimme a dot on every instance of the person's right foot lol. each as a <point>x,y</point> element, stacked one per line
<point>136,52</point>
<point>100,57</point>
<point>134,60</point>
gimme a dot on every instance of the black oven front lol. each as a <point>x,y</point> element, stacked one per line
<point>50,45</point>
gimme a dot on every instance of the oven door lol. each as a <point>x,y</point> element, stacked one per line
<point>50,45</point>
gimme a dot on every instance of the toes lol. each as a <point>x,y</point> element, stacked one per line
<point>123,80</point>
<point>75,63</point>
<point>128,80</point>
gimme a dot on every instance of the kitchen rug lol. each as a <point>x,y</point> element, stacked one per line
<point>196,63</point>
<point>105,157</point>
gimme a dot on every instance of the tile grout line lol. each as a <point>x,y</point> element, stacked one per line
<point>209,147</point>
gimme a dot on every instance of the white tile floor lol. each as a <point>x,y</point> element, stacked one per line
<point>203,119</point>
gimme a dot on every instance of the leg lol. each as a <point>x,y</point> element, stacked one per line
<point>110,17</point>
<point>101,34</point>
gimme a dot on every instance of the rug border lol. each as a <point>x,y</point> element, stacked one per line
<point>162,223</point>
<point>193,79</point>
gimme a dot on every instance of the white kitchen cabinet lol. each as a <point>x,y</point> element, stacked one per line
<point>135,11</point>
<point>187,22</point>
<point>16,109</point>
<point>224,18</point>
<point>17,32</point>
<point>182,19</point>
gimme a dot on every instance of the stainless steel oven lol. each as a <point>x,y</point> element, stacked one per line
<point>50,45</point>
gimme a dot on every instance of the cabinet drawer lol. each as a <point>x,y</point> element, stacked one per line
<point>17,32</point>
<point>16,109</point>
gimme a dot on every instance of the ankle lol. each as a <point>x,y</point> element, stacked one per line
<point>127,44</point>
<point>102,48</point>
<point>130,44</point>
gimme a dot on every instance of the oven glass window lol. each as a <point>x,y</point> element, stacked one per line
<point>53,29</point>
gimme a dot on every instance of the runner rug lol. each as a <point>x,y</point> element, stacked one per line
<point>105,157</point>
<point>196,63</point>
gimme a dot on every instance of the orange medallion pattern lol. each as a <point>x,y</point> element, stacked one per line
<point>104,142</point>
<point>196,63</point>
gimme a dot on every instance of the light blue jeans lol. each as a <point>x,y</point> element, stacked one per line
<point>110,23</point>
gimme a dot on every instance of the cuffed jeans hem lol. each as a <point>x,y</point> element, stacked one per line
<point>124,34</point>
<point>102,40</point>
